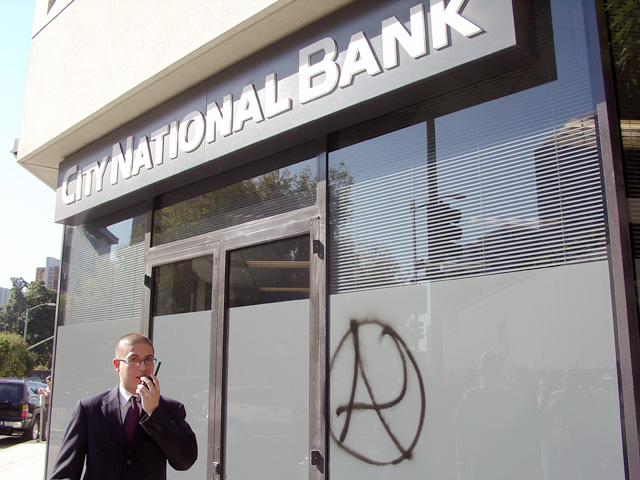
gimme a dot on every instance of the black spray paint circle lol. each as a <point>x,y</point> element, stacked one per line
<point>359,371</point>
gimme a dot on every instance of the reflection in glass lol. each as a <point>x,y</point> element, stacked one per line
<point>519,371</point>
<point>183,286</point>
<point>406,215</point>
<point>182,316</point>
<point>101,271</point>
<point>485,187</point>
<point>624,31</point>
<point>510,324</point>
<point>270,272</point>
<point>184,375</point>
<point>216,204</point>
<point>267,394</point>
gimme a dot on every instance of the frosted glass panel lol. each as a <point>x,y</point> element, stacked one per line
<point>75,380</point>
<point>267,409</point>
<point>184,375</point>
<point>499,377</point>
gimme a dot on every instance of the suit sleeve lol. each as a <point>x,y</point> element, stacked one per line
<point>71,457</point>
<point>168,427</point>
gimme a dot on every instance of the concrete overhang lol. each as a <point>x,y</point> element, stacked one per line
<point>272,24</point>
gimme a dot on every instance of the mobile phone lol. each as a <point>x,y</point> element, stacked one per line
<point>154,374</point>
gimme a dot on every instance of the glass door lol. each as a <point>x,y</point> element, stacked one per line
<point>238,322</point>
<point>182,331</point>
<point>266,382</point>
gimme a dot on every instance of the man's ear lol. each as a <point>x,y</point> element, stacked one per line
<point>116,365</point>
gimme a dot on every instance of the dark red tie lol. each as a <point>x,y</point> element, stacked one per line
<point>131,420</point>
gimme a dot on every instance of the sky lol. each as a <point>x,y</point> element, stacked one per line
<point>28,234</point>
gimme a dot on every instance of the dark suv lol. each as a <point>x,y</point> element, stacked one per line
<point>20,407</point>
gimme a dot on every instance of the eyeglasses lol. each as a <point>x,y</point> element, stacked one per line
<point>138,361</point>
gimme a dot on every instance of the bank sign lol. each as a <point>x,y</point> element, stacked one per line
<point>356,56</point>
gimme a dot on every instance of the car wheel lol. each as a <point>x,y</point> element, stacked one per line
<point>34,430</point>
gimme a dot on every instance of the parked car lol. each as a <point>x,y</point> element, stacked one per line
<point>20,407</point>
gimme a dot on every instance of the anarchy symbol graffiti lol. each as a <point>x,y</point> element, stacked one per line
<point>361,378</point>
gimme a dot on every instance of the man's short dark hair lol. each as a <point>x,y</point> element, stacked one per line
<point>131,339</point>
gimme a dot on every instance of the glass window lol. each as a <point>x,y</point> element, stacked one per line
<point>462,207</point>
<point>183,286</point>
<point>270,272</point>
<point>103,271</point>
<point>471,328</point>
<point>624,29</point>
<point>237,197</point>
<point>510,183</point>
<point>182,316</point>
<point>267,383</point>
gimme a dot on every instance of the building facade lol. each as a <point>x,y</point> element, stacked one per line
<point>4,296</point>
<point>369,239</point>
<point>49,274</point>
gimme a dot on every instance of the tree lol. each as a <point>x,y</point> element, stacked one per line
<point>624,18</point>
<point>16,306</point>
<point>15,359</point>
<point>624,30</point>
<point>25,295</point>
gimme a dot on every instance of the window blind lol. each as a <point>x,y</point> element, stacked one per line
<point>103,271</point>
<point>531,203</point>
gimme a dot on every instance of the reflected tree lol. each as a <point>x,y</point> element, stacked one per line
<point>624,23</point>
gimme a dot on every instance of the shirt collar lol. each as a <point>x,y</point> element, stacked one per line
<point>124,395</point>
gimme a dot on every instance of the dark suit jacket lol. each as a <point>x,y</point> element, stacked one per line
<point>96,434</point>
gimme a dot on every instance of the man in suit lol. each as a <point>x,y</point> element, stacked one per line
<point>97,440</point>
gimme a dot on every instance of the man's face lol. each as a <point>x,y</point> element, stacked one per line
<point>130,374</point>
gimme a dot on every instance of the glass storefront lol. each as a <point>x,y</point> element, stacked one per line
<point>470,310</point>
<point>466,330</point>
<point>237,197</point>
<point>101,292</point>
<point>624,33</point>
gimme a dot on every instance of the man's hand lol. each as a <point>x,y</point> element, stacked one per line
<point>149,395</point>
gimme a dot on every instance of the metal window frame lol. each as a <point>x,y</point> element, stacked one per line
<point>621,266</point>
<point>309,220</point>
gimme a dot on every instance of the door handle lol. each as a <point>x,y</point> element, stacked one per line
<point>317,459</point>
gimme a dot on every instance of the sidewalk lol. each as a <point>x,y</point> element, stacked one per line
<point>21,460</point>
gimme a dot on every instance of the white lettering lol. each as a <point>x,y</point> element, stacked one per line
<point>394,33</point>
<point>158,138</point>
<point>272,106</point>
<point>102,167</point>
<point>441,17</point>
<point>307,73</point>
<point>248,108</point>
<point>219,119</point>
<point>79,185</point>
<point>121,161</point>
<point>67,198</point>
<point>142,157</point>
<point>87,174</point>
<point>97,171</point>
<point>173,140</point>
<point>360,58</point>
<point>189,143</point>
<point>321,71</point>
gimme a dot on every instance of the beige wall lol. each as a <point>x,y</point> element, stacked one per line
<point>95,65</point>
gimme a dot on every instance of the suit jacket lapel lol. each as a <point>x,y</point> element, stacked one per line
<point>111,411</point>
